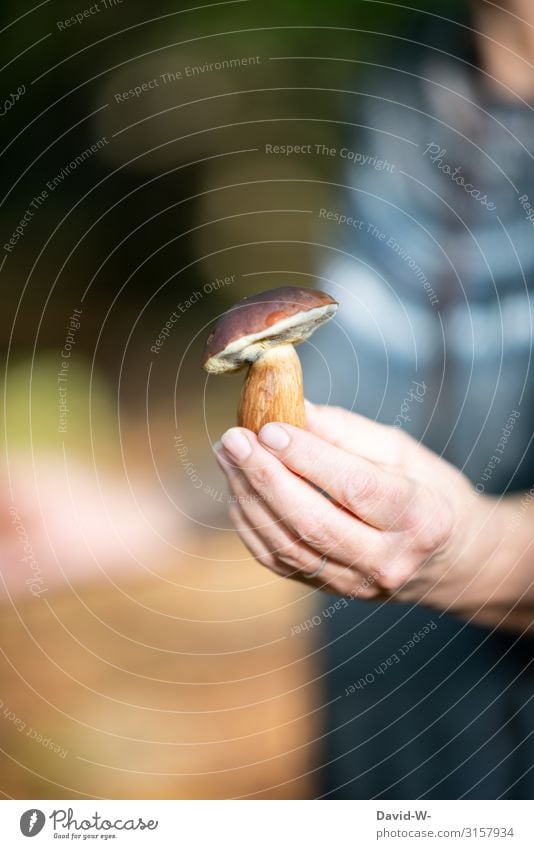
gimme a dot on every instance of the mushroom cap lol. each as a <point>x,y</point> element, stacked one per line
<point>287,315</point>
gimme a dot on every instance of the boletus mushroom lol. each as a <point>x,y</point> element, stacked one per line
<point>260,331</point>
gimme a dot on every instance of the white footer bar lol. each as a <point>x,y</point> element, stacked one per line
<point>267,824</point>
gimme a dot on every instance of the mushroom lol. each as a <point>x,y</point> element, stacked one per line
<point>260,331</point>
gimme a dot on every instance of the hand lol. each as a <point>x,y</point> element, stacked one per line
<point>398,521</point>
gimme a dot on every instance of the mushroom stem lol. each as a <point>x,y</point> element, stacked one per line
<point>272,391</point>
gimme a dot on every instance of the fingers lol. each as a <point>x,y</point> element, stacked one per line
<point>379,497</point>
<point>283,550</point>
<point>331,575</point>
<point>263,554</point>
<point>355,434</point>
<point>283,544</point>
<point>307,514</point>
<point>277,539</point>
<point>252,540</point>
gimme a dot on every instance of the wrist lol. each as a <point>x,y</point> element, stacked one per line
<point>490,554</point>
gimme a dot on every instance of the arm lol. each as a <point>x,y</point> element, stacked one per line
<point>400,523</point>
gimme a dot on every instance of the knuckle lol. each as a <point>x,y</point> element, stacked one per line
<point>357,487</point>
<point>261,477</point>
<point>410,508</point>
<point>290,555</point>
<point>315,531</point>
<point>432,522</point>
<point>437,530</point>
<point>394,576</point>
<point>267,560</point>
<point>360,591</point>
<point>353,583</point>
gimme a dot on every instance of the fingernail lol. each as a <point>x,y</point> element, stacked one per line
<point>217,447</point>
<point>274,436</point>
<point>309,405</point>
<point>236,444</point>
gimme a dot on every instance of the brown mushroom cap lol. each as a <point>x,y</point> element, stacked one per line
<point>255,324</point>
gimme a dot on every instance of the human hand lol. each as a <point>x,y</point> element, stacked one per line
<point>399,521</point>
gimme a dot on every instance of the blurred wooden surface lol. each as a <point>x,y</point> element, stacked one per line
<point>184,685</point>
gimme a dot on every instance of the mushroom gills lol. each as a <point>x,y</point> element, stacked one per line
<point>294,329</point>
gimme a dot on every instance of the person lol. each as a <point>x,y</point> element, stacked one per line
<point>428,527</point>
